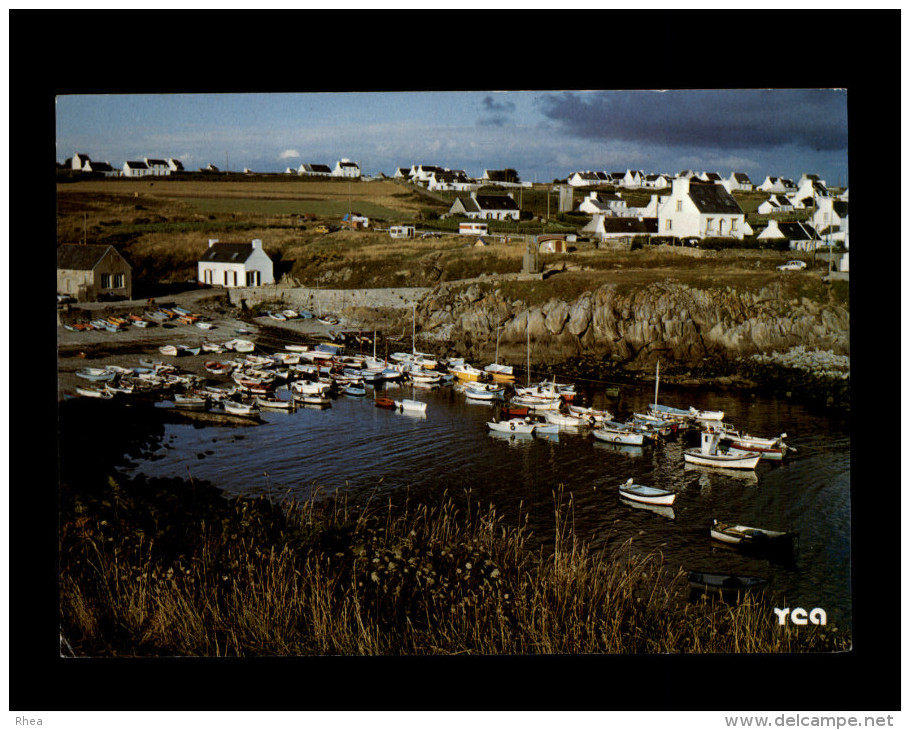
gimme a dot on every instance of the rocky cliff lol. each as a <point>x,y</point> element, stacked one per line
<point>632,329</point>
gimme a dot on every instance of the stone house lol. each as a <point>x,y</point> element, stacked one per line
<point>93,272</point>
<point>235,265</point>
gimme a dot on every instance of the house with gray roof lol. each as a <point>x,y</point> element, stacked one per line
<point>701,210</point>
<point>235,265</point>
<point>92,272</point>
<point>495,207</point>
<point>800,235</point>
<point>738,181</point>
<point>136,168</point>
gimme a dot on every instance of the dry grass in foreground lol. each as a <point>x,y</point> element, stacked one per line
<point>321,578</point>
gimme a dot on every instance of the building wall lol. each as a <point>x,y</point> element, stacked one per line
<point>111,276</point>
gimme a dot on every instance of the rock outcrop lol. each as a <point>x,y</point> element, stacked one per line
<point>672,321</point>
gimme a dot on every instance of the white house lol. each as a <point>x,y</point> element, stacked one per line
<point>450,180</point>
<point>701,210</point>
<point>776,204</point>
<point>582,179</point>
<point>609,203</point>
<point>235,265</point>
<point>158,167</point>
<point>656,182</point>
<point>632,179</point>
<point>611,228</point>
<point>101,167</point>
<point>777,185</point>
<point>135,168</point>
<point>314,169</point>
<point>738,181</point>
<point>78,161</point>
<point>712,177</point>
<point>345,168</point>
<point>811,192</point>
<point>496,207</point>
<point>810,177</point>
<point>174,165</point>
<point>832,220</point>
<point>801,236</point>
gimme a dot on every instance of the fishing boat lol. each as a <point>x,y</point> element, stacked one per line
<point>709,455</point>
<point>648,495</point>
<point>770,448</point>
<point>513,425</point>
<point>724,582</point>
<point>624,436</point>
<point>466,372</point>
<point>96,374</point>
<point>752,536</point>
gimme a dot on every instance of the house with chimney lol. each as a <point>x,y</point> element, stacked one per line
<point>345,168</point>
<point>697,209</point>
<point>235,265</point>
<point>93,272</point>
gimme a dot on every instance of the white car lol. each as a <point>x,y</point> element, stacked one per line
<point>792,266</point>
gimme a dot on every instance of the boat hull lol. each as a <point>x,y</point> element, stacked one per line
<point>648,495</point>
<point>725,461</point>
<point>630,438</point>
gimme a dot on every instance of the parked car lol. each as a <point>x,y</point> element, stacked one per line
<point>792,266</point>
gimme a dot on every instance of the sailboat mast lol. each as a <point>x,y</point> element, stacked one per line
<point>414,331</point>
<point>528,330</point>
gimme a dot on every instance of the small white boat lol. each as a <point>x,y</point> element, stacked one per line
<point>513,425</point>
<point>483,391</point>
<point>706,415</point>
<point>277,315</point>
<point>708,454</point>
<point>751,536</point>
<point>409,404</point>
<point>297,348</point>
<point>275,403</point>
<point>89,392</point>
<point>312,399</point>
<point>204,325</point>
<point>619,436</point>
<point>239,409</point>
<point>538,403</point>
<point>566,420</point>
<point>598,415</point>
<point>289,314</point>
<point>193,401</point>
<point>169,350</point>
<point>96,374</point>
<point>647,495</point>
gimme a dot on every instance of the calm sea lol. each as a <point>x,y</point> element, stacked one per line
<point>357,448</point>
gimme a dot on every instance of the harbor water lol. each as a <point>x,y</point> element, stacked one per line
<point>356,449</point>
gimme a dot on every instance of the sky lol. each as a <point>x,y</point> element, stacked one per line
<point>543,135</point>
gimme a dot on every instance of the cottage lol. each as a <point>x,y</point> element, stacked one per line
<point>701,210</point>
<point>599,202</point>
<point>235,265</point>
<point>656,182</point>
<point>314,169</point>
<point>776,204</point>
<point>135,168</point>
<point>102,168</point>
<point>158,167</point>
<point>496,207</point>
<point>345,168</point>
<point>450,180</point>
<point>711,177</point>
<point>632,179</point>
<point>78,161</point>
<point>832,220</point>
<point>802,236</point>
<point>621,230</point>
<point>92,272</point>
<point>175,165</point>
<point>583,179</point>
<point>811,192</point>
<point>738,181</point>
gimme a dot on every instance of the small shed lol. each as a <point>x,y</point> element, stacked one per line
<point>93,272</point>
<point>552,243</point>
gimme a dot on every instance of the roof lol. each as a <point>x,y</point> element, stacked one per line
<point>629,225</point>
<point>138,164</point>
<point>741,177</point>
<point>228,252</point>
<point>156,162</point>
<point>488,202</point>
<point>711,198</point>
<point>100,166</point>
<point>796,231</point>
<point>81,256</point>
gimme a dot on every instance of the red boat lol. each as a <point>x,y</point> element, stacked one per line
<point>384,403</point>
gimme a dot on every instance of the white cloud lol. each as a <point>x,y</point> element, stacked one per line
<point>288,154</point>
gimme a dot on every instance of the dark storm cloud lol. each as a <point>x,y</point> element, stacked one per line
<point>497,112</point>
<point>735,119</point>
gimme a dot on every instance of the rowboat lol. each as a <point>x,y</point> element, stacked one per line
<point>668,413</point>
<point>751,536</point>
<point>297,348</point>
<point>483,391</point>
<point>310,387</point>
<point>193,401</point>
<point>647,495</point>
<point>96,374</point>
<point>94,393</point>
<point>312,399</point>
<point>169,350</point>
<point>354,389</point>
<point>619,436</point>
<point>599,416</point>
<point>500,373</point>
<point>565,420</point>
<point>239,409</point>
<point>289,313</point>
<point>277,315</point>
<point>770,448</point>
<point>511,410</point>
<point>275,403</point>
<point>238,345</point>
<point>724,582</point>
<point>385,403</point>
<point>711,416</point>
<point>513,425</point>
<point>708,455</point>
<point>537,403</point>
<point>218,368</point>
<point>408,404</point>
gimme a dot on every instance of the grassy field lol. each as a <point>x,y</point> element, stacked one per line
<point>163,227</point>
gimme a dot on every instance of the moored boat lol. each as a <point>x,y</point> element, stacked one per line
<point>647,495</point>
<point>755,537</point>
<point>513,425</point>
<point>724,582</point>
<point>624,436</point>
<point>709,455</point>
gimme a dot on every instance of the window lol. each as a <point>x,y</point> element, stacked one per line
<point>679,206</point>
<point>709,225</point>
<point>733,225</point>
<point>105,281</point>
<point>118,281</point>
<point>669,225</point>
<point>720,227</point>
